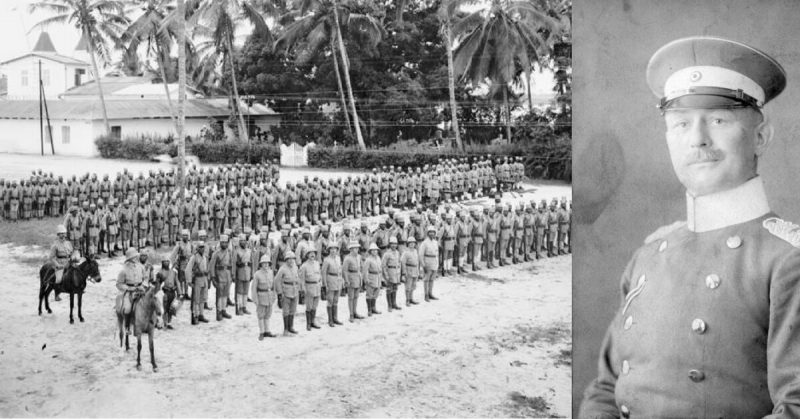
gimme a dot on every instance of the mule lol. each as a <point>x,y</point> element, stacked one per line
<point>145,316</point>
<point>72,282</point>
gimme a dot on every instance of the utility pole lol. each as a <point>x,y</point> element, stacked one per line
<point>41,122</point>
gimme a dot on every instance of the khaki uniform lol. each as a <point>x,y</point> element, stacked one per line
<point>287,285</point>
<point>310,277</point>
<point>221,268</point>
<point>197,275</point>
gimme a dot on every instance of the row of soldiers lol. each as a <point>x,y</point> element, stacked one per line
<point>248,194</point>
<point>303,268</point>
<point>107,226</point>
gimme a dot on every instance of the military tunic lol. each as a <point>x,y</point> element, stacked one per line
<point>287,285</point>
<point>707,319</point>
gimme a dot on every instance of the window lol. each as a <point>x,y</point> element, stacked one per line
<point>79,72</point>
<point>65,134</point>
<point>46,77</point>
<point>116,131</point>
<point>23,80</point>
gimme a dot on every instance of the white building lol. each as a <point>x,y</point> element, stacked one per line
<point>135,106</point>
<point>58,72</point>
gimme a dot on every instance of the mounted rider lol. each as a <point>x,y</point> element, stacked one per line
<point>129,281</point>
<point>61,254</point>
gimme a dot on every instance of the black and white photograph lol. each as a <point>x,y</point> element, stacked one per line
<point>270,208</point>
<point>686,291</point>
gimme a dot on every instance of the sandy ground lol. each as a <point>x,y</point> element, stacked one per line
<point>497,343</point>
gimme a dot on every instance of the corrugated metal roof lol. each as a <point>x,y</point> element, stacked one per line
<point>50,56</point>
<point>123,86</point>
<point>118,109</point>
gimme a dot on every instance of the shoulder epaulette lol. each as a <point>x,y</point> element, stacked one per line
<point>785,230</point>
<point>663,231</point>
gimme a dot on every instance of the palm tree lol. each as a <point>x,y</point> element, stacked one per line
<point>100,22</point>
<point>500,44</point>
<point>150,27</point>
<point>323,27</point>
<point>318,29</point>
<point>222,17</point>
<point>181,36</point>
<point>446,14</point>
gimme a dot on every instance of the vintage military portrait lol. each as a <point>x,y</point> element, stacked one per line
<point>686,281</point>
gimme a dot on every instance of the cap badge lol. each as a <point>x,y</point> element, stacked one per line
<point>695,76</point>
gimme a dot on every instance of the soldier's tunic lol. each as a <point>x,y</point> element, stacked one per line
<point>221,272</point>
<point>390,264</point>
<point>351,268</point>
<point>563,229</point>
<point>262,291</point>
<point>707,319</point>
<point>169,284</point>
<point>410,270</point>
<point>91,231</point>
<point>129,276</point>
<point>197,275</point>
<point>492,230</point>
<point>506,234</point>
<point>529,232</point>
<point>331,278</point>
<point>552,232</point>
<point>142,225</point>
<point>243,259</point>
<point>519,234</point>
<point>287,285</point>
<point>478,232</point>
<point>372,276</point>
<point>429,257</point>
<point>173,223</point>
<point>463,235</point>
<point>540,224</point>
<point>310,276</point>
<point>73,225</point>
<point>157,216</point>
<point>60,252</point>
<point>111,223</point>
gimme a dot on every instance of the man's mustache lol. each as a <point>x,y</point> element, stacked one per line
<point>703,156</point>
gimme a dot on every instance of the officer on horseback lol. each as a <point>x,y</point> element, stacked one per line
<point>129,281</point>
<point>60,254</point>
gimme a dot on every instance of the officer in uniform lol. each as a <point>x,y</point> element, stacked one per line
<point>351,269</point>
<point>73,226</point>
<point>707,324</point>
<point>263,292</point>
<point>287,285</point>
<point>197,275</point>
<point>332,282</point>
<point>243,259</point>
<point>180,257</point>
<point>60,253</point>
<point>429,258</point>
<point>390,264</point>
<point>310,277</point>
<point>220,269</point>
<point>171,287</point>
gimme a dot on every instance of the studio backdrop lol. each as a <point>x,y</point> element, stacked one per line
<point>624,185</point>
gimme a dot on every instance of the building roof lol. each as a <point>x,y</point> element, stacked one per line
<point>90,109</point>
<point>44,44</point>
<point>50,56</point>
<point>126,87</point>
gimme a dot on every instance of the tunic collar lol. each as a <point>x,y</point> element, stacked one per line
<point>745,202</point>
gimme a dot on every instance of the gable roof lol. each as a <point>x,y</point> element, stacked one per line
<point>125,87</point>
<point>53,56</point>
<point>90,109</point>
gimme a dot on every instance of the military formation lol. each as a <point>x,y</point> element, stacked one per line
<point>423,224</point>
<point>109,216</point>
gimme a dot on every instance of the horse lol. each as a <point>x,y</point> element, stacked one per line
<point>145,316</point>
<point>73,282</point>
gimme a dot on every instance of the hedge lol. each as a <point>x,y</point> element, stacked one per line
<point>207,152</point>
<point>541,161</point>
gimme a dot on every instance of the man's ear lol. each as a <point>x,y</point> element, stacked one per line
<point>763,132</point>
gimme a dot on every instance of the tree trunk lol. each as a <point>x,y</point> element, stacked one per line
<point>530,95</point>
<point>508,112</point>
<point>339,84</point>
<point>166,86</point>
<point>242,127</point>
<point>451,81</point>
<point>97,78</point>
<point>346,68</point>
<point>181,99</point>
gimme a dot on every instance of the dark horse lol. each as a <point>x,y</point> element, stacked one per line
<point>145,316</point>
<point>73,282</point>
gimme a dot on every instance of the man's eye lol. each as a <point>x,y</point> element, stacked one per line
<point>717,121</point>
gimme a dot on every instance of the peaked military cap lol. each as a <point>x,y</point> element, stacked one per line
<point>704,72</point>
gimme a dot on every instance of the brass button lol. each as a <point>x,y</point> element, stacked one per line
<point>663,246</point>
<point>734,242</point>
<point>699,326</point>
<point>626,367</point>
<point>712,281</point>
<point>697,376</point>
<point>641,280</point>
<point>625,411</point>
<point>628,323</point>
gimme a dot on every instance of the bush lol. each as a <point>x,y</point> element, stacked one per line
<point>542,161</point>
<point>143,148</point>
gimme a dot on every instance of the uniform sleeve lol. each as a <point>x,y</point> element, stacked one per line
<point>599,401</point>
<point>212,264</point>
<point>254,290</point>
<point>121,280</point>
<point>188,271</point>
<point>384,272</point>
<point>302,274</point>
<point>279,280</point>
<point>323,273</point>
<point>783,352</point>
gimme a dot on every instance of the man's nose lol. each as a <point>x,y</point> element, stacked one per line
<point>698,135</point>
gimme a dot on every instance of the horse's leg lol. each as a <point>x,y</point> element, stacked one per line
<point>127,343</point>
<point>80,306</point>
<point>47,289</point>
<point>119,325</point>
<point>71,303</point>
<point>139,352</point>
<point>41,297</point>
<point>152,351</point>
